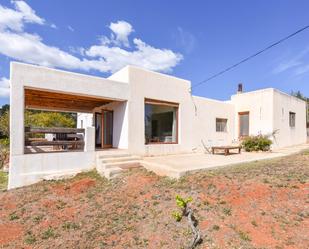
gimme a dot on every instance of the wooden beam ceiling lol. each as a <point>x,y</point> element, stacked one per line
<point>37,99</point>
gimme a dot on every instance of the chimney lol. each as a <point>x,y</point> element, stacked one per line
<point>239,90</point>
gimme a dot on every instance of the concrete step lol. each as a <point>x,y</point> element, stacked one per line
<point>120,159</point>
<point>112,173</point>
<point>123,165</point>
<point>160,169</point>
<point>113,156</point>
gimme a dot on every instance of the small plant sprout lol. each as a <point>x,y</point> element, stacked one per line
<point>177,215</point>
<point>186,211</point>
<point>182,203</point>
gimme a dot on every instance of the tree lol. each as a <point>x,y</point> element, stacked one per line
<point>35,118</point>
<point>5,124</point>
<point>299,95</point>
<point>49,119</point>
<point>4,109</point>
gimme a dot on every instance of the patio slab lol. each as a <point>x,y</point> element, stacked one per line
<point>176,166</point>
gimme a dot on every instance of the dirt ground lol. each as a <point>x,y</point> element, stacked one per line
<point>256,205</point>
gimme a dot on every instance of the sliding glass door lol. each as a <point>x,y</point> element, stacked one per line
<point>104,129</point>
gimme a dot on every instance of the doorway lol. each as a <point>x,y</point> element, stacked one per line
<point>104,129</point>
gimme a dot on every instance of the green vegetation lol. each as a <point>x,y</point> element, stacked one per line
<point>3,180</point>
<point>243,235</point>
<point>4,152</point>
<point>254,223</point>
<point>256,143</point>
<point>49,233</point>
<point>215,227</point>
<point>34,118</point>
<point>49,119</point>
<point>30,238</point>
<point>227,211</point>
<point>13,216</point>
<point>181,203</point>
<point>70,225</point>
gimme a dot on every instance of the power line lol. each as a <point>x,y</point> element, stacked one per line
<point>250,57</point>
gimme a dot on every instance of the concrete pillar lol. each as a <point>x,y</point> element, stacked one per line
<point>89,139</point>
<point>17,106</point>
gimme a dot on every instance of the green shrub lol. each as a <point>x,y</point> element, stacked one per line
<point>5,142</point>
<point>4,152</point>
<point>256,143</point>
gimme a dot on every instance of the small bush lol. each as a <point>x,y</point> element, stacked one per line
<point>4,152</point>
<point>256,143</point>
<point>49,233</point>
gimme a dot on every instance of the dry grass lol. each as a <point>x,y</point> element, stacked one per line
<point>256,205</point>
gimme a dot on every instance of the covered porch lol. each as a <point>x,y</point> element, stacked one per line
<point>105,117</point>
<point>45,89</point>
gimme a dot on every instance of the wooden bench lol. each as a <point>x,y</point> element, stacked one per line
<point>226,149</point>
<point>65,138</point>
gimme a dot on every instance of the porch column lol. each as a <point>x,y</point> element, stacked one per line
<point>17,106</point>
<point>89,139</point>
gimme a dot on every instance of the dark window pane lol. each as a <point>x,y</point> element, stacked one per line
<point>221,124</point>
<point>160,123</point>
<point>292,117</point>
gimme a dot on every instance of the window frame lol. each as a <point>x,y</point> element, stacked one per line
<point>162,103</point>
<point>294,119</point>
<point>226,121</point>
<point>239,115</point>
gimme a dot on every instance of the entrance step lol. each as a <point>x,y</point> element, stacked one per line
<point>111,165</point>
<point>106,156</point>
<point>123,165</point>
<point>161,169</point>
<point>111,173</point>
<point>120,159</point>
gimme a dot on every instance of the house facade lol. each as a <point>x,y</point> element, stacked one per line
<point>143,112</point>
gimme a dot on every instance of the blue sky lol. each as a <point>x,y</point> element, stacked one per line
<point>188,39</point>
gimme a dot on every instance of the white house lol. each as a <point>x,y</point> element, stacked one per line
<point>143,112</point>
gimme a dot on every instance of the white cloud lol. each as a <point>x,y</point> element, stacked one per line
<point>4,87</point>
<point>122,30</point>
<point>297,64</point>
<point>185,40</point>
<point>15,19</point>
<point>107,56</point>
<point>70,28</point>
<point>284,66</point>
<point>28,13</point>
<point>144,55</point>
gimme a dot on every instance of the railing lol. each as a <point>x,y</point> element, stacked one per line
<point>54,139</point>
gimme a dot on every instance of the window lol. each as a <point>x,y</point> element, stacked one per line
<point>221,125</point>
<point>292,117</point>
<point>243,124</point>
<point>161,122</point>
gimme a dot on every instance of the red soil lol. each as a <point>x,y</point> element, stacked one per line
<point>261,205</point>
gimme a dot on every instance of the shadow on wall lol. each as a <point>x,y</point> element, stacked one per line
<point>119,129</point>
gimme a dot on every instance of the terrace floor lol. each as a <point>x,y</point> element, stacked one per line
<point>179,165</point>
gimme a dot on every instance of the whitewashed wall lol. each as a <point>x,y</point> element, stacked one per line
<point>30,168</point>
<point>269,111</point>
<point>259,104</point>
<point>129,87</point>
<point>204,122</point>
<point>147,84</point>
<point>84,120</point>
<point>286,135</point>
<point>120,123</point>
